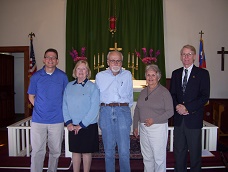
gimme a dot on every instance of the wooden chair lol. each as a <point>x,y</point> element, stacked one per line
<point>218,109</point>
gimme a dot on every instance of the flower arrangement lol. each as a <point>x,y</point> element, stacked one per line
<point>75,57</point>
<point>148,59</point>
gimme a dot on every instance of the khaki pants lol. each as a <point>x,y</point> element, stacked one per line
<point>42,134</point>
<point>153,142</point>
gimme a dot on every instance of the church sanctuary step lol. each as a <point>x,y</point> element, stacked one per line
<point>22,164</point>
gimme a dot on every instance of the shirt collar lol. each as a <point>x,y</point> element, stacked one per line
<point>82,83</point>
<point>189,68</point>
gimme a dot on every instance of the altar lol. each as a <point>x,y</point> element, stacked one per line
<point>138,86</point>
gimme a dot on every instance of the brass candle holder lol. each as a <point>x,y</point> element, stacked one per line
<point>131,63</point>
<point>99,65</point>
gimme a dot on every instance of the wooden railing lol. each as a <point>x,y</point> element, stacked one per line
<point>19,138</point>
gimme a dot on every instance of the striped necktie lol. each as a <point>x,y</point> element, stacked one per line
<point>185,80</point>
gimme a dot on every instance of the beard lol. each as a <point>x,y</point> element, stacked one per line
<point>115,69</point>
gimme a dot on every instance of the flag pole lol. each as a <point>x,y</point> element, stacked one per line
<point>202,58</point>
<point>31,35</point>
<point>32,63</point>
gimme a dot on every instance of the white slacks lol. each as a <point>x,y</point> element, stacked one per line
<point>153,142</point>
<point>40,135</point>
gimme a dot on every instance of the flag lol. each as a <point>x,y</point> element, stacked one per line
<point>202,59</point>
<point>32,61</point>
<point>32,65</point>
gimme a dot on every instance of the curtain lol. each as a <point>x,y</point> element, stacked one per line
<point>139,24</point>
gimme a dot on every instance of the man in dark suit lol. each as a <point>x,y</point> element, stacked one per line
<point>190,90</point>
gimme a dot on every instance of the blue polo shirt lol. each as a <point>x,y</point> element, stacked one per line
<point>48,90</point>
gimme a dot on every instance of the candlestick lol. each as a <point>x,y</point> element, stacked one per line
<point>98,58</point>
<point>98,67</point>
<point>94,59</point>
<point>133,58</point>
<point>132,66</point>
<point>137,60</point>
<point>128,58</point>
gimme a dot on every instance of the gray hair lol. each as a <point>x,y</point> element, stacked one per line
<point>117,52</point>
<point>154,68</point>
<point>190,47</point>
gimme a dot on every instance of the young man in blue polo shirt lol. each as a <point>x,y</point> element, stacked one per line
<point>45,92</point>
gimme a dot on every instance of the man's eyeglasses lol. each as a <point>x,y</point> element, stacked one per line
<point>115,61</point>
<point>51,58</point>
<point>187,55</point>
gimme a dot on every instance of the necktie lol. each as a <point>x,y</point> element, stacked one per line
<point>185,80</point>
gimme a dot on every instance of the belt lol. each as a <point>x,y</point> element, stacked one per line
<point>115,104</point>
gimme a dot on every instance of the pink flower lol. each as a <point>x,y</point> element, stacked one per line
<point>144,52</point>
<point>137,54</point>
<point>83,52</point>
<point>151,51</point>
<point>148,60</point>
<point>79,58</point>
<point>75,57</point>
<point>157,53</point>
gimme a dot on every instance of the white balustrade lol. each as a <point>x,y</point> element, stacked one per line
<point>20,145</point>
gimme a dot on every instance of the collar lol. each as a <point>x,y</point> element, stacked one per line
<point>43,71</point>
<point>82,83</point>
<point>189,68</point>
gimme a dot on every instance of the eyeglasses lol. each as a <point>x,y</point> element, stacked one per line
<point>51,58</point>
<point>187,55</point>
<point>115,61</point>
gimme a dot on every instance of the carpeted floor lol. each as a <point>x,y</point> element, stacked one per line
<point>135,152</point>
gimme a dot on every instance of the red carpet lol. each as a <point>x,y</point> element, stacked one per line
<point>22,163</point>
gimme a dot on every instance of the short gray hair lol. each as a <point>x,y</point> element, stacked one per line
<point>154,68</point>
<point>117,52</point>
<point>190,47</point>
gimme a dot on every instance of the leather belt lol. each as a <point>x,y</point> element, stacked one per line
<point>115,104</point>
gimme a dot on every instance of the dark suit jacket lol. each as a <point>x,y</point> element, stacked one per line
<point>196,96</point>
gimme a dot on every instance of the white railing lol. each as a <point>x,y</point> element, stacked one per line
<point>19,138</point>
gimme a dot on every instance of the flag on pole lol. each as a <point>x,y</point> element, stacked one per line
<point>202,58</point>
<point>32,63</point>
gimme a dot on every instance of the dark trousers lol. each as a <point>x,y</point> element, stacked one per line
<point>185,140</point>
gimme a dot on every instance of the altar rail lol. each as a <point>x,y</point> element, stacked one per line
<point>20,145</point>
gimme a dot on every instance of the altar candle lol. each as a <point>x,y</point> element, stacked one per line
<point>128,57</point>
<point>137,60</point>
<point>133,60</point>
<point>102,58</point>
<point>94,58</point>
<point>98,60</point>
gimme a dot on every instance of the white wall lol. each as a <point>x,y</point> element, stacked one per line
<point>46,18</point>
<point>183,20</point>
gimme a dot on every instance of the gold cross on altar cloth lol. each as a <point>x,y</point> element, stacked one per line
<point>115,47</point>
